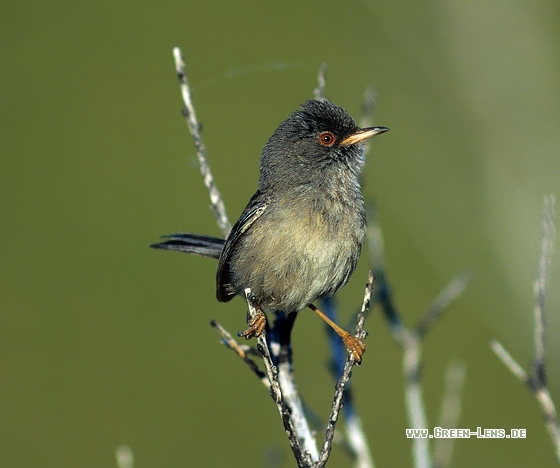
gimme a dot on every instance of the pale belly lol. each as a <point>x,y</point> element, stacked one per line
<point>305,259</point>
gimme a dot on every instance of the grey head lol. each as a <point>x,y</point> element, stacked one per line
<point>319,140</point>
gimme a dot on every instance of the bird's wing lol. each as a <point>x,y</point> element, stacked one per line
<point>252,212</point>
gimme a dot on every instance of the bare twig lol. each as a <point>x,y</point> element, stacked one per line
<point>124,457</point>
<point>507,360</point>
<point>414,399</point>
<point>449,412</point>
<point>230,342</point>
<point>355,434</point>
<point>345,378</point>
<point>216,201</point>
<point>539,288</point>
<point>368,106</point>
<point>319,91</point>
<point>303,458</point>
<point>410,340</point>
<point>412,352</point>
<point>280,344</point>
<point>542,394</point>
<point>536,378</point>
<point>451,292</point>
<point>356,439</point>
<point>550,418</point>
<point>410,343</point>
<point>284,378</point>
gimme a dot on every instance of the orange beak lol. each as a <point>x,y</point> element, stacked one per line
<point>363,134</point>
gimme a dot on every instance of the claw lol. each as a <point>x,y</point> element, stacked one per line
<point>355,346</point>
<point>256,326</point>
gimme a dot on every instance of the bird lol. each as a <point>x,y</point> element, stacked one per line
<point>300,236</point>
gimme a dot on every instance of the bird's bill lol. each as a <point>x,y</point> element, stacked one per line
<point>363,134</point>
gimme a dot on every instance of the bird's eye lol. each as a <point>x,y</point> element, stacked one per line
<point>327,138</point>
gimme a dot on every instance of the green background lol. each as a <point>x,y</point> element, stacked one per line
<point>105,342</point>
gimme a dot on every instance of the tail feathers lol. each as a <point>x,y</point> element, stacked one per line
<point>206,246</point>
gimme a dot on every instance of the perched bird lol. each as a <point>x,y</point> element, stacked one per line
<point>300,236</point>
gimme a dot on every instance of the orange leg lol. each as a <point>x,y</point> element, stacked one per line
<point>355,346</point>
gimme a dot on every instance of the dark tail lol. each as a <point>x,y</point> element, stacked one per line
<point>206,246</point>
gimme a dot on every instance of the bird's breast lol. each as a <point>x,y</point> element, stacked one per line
<point>297,252</point>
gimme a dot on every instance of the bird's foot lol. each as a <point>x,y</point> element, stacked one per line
<point>355,347</point>
<point>256,326</point>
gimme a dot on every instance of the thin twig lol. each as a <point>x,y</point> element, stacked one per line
<point>411,346</point>
<point>124,457</point>
<point>410,340</point>
<point>412,355</point>
<point>357,440</point>
<point>542,394</point>
<point>451,292</point>
<point>355,434</point>
<point>368,106</point>
<point>507,360</point>
<point>539,288</point>
<point>216,201</point>
<point>536,378</point>
<point>450,411</point>
<point>280,345</point>
<point>319,91</point>
<point>229,341</point>
<point>414,399</point>
<point>303,458</point>
<point>345,378</point>
<point>550,418</point>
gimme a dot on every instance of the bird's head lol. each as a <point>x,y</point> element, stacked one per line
<point>317,139</point>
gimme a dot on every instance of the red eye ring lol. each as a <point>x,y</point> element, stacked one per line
<point>327,139</point>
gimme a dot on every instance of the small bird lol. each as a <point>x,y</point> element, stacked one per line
<point>300,236</point>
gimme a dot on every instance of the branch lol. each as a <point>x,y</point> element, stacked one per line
<point>319,91</point>
<point>280,345</point>
<point>410,340</point>
<point>536,379</point>
<point>507,360</point>
<point>449,412</point>
<point>124,457</point>
<point>279,380</point>
<point>368,106</point>
<point>355,439</point>
<point>451,292</point>
<point>303,458</point>
<point>230,343</point>
<point>345,378</point>
<point>216,201</point>
<point>539,289</point>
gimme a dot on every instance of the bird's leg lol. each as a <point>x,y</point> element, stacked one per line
<point>256,325</point>
<point>354,345</point>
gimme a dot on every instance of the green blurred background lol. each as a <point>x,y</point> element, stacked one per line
<point>105,342</point>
